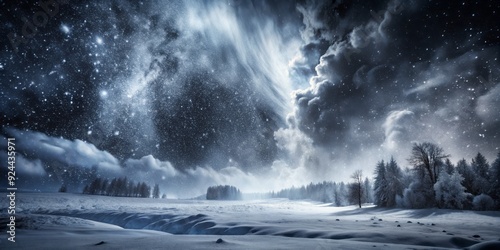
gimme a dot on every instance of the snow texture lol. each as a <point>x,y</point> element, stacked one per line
<point>74,221</point>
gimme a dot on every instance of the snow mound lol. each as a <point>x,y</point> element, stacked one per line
<point>488,245</point>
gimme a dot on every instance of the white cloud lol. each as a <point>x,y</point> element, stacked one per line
<point>255,44</point>
<point>34,167</point>
<point>45,151</point>
<point>150,165</point>
<point>37,145</point>
<point>439,73</point>
<point>488,106</point>
<point>432,82</point>
<point>397,127</point>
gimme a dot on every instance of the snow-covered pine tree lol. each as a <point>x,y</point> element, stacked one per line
<point>156,191</point>
<point>368,191</point>
<point>449,191</point>
<point>343,194</point>
<point>495,180</point>
<point>95,186</point>
<point>466,172</point>
<point>481,170</point>
<point>380,185</point>
<point>448,166</point>
<point>394,184</point>
<point>86,189</point>
<point>104,187</point>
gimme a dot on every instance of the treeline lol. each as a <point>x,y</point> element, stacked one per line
<point>339,194</point>
<point>223,192</point>
<point>121,187</point>
<point>434,181</point>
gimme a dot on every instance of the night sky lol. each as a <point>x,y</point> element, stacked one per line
<point>259,94</point>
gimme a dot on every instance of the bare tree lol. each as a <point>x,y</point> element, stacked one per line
<point>428,157</point>
<point>357,186</point>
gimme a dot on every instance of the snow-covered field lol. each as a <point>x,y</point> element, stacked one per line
<point>74,221</point>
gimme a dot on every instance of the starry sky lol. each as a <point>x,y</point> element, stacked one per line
<point>259,94</point>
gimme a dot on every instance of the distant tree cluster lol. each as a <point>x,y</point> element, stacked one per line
<point>121,187</point>
<point>221,192</point>
<point>340,194</point>
<point>433,181</point>
<point>63,189</point>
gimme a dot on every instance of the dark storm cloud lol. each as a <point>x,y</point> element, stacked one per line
<point>323,23</point>
<point>407,62</point>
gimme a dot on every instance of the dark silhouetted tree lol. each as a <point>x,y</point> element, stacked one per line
<point>495,180</point>
<point>86,189</point>
<point>95,186</point>
<point>111,190</point>
<point>145,190</point>
<point>156,191</point>
<point>104,187</point>
<point>466,172</point>
<point>63,188</point>
<point>118,187</point>
<point>448,166</point>
<point>481,169</point>
<point>225,192</point>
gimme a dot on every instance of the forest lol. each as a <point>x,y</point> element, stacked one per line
<point>223,192</point>
<point>434,181</point>
<point>121,187</point>
<point>431,181</point>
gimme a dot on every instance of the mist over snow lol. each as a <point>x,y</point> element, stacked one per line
<point>261,95</point>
